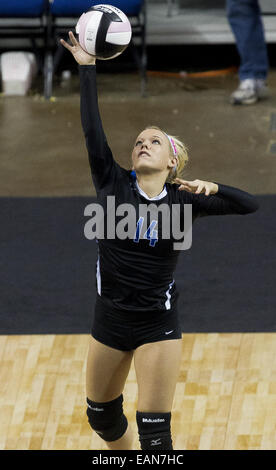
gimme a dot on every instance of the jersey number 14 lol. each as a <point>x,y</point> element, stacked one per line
<point>150,234</point>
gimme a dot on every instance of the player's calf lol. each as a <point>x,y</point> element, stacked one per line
<point>154,430</point>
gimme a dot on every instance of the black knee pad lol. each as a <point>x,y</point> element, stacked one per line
<point>107,419</point>
<point>154,430</point>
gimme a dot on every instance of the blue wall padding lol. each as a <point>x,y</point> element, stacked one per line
<point>22,8</point>
<point>77,7</point>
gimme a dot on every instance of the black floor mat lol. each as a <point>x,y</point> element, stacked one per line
<point>47,281</point>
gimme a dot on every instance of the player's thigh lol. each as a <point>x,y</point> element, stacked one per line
<point>157,367</point>
<point>106,371</point>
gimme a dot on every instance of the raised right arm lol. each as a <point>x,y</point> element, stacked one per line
<point>100,156</point>
<point>103,167</point>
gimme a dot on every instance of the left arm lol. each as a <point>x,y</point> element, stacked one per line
<point>218,199</point>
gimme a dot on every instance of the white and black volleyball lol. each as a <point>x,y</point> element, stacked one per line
<point>104,31</point>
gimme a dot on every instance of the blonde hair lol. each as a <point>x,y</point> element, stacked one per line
<point>182,155</point>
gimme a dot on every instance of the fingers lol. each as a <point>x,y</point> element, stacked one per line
<point>189,185</point>
<point>66,45</point>
<point>73,41</point>
<point>184,186</point>
<point>196,186</point>
<point>200,188</point>
<point>180,180</point>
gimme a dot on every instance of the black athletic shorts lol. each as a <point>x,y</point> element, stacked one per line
<point>127,331</point>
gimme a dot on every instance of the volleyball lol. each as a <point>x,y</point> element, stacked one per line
<point>104,31</point>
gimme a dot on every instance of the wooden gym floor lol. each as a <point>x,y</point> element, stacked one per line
<point>225,396</point>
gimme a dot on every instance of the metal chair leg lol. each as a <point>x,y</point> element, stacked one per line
<point>48,75</point>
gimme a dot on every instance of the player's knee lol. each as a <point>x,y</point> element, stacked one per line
<point>154,430</point>
<point>107,419</point>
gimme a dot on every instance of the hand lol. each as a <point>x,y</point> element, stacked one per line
<point>197,186</point>
<point>82,57</point>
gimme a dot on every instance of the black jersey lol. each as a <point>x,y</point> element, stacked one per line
<point>136,273</point>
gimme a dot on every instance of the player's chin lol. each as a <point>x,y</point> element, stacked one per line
<point>145,163</point>
<point>145,169</point>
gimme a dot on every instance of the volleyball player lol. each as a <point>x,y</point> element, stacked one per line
<point>136,313</point>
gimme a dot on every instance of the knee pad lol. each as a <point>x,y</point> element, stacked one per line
<point>154,430</point>
<point>107,419</point>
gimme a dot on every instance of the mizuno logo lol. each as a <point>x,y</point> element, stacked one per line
<point>155,442</point>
